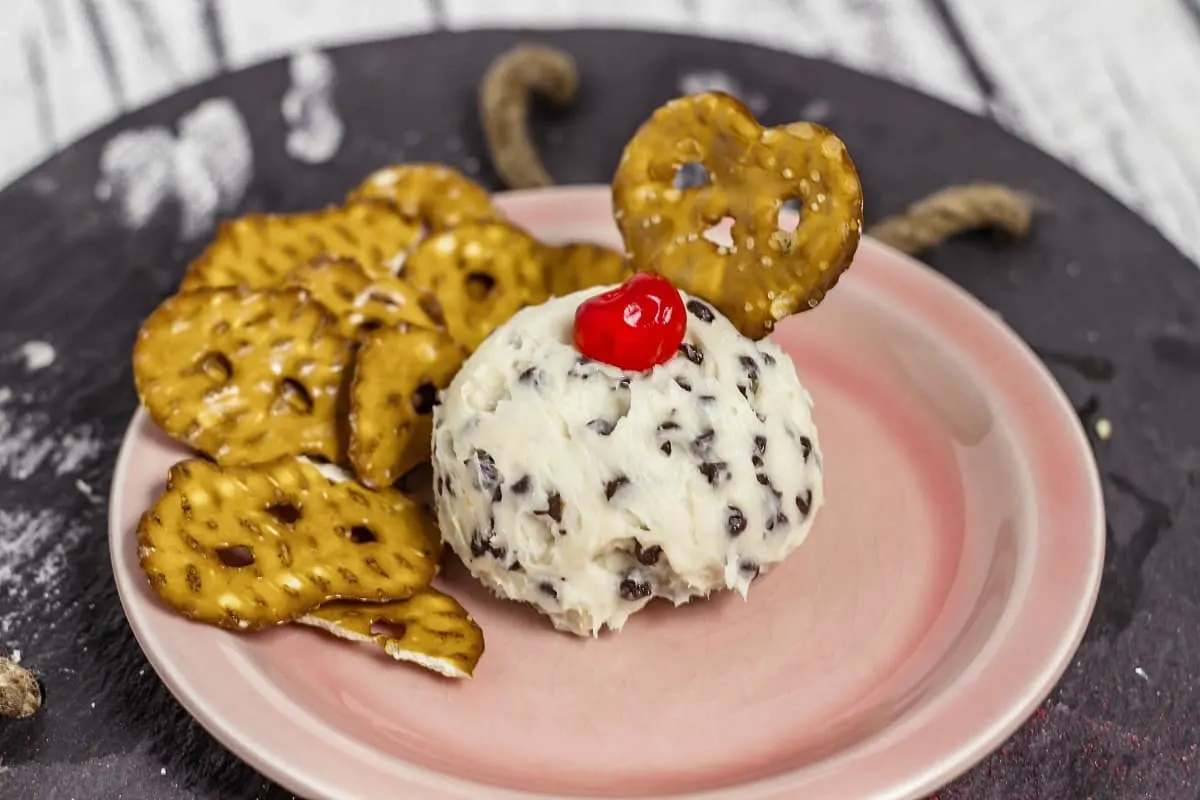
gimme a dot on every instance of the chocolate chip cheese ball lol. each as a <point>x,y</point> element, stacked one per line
<point>587,490</point>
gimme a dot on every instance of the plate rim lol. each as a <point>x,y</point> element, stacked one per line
<point>307,781</point>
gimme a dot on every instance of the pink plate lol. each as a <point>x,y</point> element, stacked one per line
<point>942,592</point>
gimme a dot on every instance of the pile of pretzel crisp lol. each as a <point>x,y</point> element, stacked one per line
<point>303,354</point>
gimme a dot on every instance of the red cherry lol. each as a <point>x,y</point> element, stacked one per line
<point>636,326</point>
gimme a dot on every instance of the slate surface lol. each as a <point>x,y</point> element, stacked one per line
<point>1110,305</point>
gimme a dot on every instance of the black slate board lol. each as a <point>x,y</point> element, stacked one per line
<point>1112,307</point>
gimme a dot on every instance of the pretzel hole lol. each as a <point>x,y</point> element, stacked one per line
<point>479,286</point>
<point>384,298</point>
<point>236,557</point>
<point>361,534</point>
<point>424,398</point>
<point>286,513</point>
<point>216,367</point>
<point>691,175</point>
<point>369,325</point>
<point>789,215</point>
<point>393,630</point>
<point>293,394</point>
<point>719,234</point>
<point>432,308</point>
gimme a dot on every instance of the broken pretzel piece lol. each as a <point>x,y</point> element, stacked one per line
<point>397,377</point>
<point>20,693</point>
<point>480,274</point>
<point>436,196</point>
<point>244,376</point>
<point>249,547</point>
<point>429,629</point>
<point>260,251</point>
<point>583,265</point>
<point>766,273</point>
<point>360,302</point>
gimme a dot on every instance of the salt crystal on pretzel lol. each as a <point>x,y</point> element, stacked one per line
<point>360,302</point>
<point>765,274</point>
<point>397,376</point>
<point>429,629</point>
<point>244,376</point>
<point>260,251</point>
<point>254,546</point>
<point>437,196</point>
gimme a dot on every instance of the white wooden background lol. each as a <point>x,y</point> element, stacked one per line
<point>1110,86</point>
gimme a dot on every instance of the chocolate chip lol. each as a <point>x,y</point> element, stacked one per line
<point>706,399</point>
<point>424,398</point>
<point>768,359</point>
<point>735,522</point>
<point>623,383</point>
<point>756,461</point>
<point>516,566</point>
<point>579,371</point>
<point>778,519</point>
<point>669,426</point>
<point>804,502</point>
<point>522,485</point>
<point>486,476</point>
<point>745,390</point>
<point>634,589</point>
<point>717,472</point>
<point>554,507</point>
<point>684,384</point>
<point>665,447</point>
<point>750,365</point>
<point>763,479</point>
<point>703,443</point>
<point>441,485</point>
<point>532,376</point>
<point>614,486</point>
<point>700,310</point>
<point>647,555</point>
<point>805,447</point>
<point>481,545</point>
<point>497,494</point>
<point>547,588</point>
<point>691,353</point>
<point>760,445</point>
<point>751,568</point>
<point>601,426</point>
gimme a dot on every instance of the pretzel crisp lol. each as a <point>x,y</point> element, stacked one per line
<point>767,273</point>
<point>397,376</point>
<point>259,251</point>
<point>582,265</point>
<point>437,196</point>
<point>361,303</point>
<point>481,274</point>
<point>249,547</point>
<point>244,376</point>
<point>429,629</point>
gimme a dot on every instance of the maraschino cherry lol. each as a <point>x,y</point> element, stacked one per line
<point>636,326</point>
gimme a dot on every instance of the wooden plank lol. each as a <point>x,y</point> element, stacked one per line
<point>660,14</point>
<point>262,29</point>
<point>28,129</point>
<point>75,90</point>
<point>1108,86</point>
<point>157,47</point>
<point>901,39</point>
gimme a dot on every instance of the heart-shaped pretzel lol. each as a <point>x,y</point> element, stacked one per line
<point>766,273</point>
